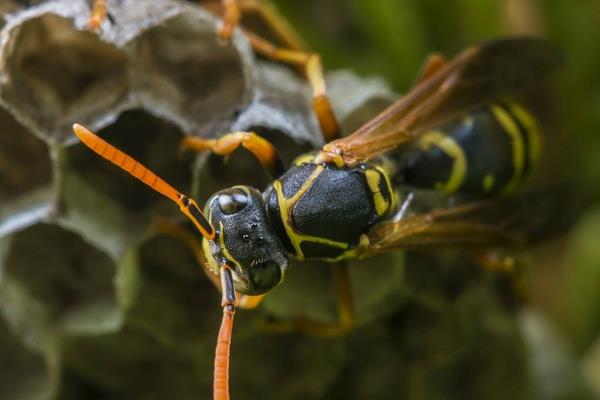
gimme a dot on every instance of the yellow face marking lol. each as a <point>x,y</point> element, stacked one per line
<point>224,249</point>
<point>380,202</point>
<point>455,152</point>
<point>212,262</point>
<point>488,182</point>
<point>512,129</point>
<point>532,130</point>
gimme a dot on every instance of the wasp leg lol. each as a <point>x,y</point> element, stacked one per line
<point>433,63</point>
<point>295,52</point>
<point>506,265</point>
<point>345,306</point>
<point>97,16</point>
<point>261,148</point>
<point>194,243</point>
<point>232,10</point>
<point>276,22</point>
<point>231,18</point>
<point>313,68</point>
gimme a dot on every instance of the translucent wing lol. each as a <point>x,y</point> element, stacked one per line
<point>519,220</point>
<point>476,76</point>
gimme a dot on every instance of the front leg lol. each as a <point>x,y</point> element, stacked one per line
<point>261,148</point>
<point>194,243</point>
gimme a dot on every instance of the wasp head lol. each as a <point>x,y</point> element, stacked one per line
<point>245,240</point>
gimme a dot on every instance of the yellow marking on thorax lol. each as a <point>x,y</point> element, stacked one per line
<point>304,159</point>
<point>512,129</point>
<point>488,182</point>
<point>380,202</point>
<point>459,161</point>
<point>532,130</point>
<point>330,158</point>
<point>286,208</point>
<point>386,167</point>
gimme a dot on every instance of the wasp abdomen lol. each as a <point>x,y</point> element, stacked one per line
<point>489,151</point>
<point>321,211</point>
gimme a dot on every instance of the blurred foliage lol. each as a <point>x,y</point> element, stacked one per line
<point>96,305</point>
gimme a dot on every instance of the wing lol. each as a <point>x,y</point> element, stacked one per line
<point>476,76</point>
<point>519,220</point>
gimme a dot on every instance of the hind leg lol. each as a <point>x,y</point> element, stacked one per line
<point>345,307</point>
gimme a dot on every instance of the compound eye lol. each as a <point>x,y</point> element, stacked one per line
<point>232,201</point>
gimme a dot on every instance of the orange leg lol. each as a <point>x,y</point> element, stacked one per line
<point>345,306</point>
<point>262,149</point>
<point>232,10</point>
<point>313,68</point>
<point>295,52</point>
<point>493,261</point>
<point>506,265</point>
<point>97,16</point>
<point>231,18</point>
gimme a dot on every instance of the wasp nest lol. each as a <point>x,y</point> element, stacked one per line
<point>95,303</point>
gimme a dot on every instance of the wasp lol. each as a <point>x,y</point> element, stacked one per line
<point>457,132</point>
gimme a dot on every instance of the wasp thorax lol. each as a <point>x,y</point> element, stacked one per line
<point>245,240</point>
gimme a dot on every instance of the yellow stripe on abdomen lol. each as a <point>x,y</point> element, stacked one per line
<point>511,128</point>
<point>459,161</point>
<point>532,130</point>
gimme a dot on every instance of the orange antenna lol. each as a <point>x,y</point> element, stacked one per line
<point>229,303</point>
<point>139,171</point>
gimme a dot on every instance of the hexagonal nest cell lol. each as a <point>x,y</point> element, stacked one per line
<point>52,276</point>
<point>181,68</point>
<point>56,74</point>
<point>24,160</point>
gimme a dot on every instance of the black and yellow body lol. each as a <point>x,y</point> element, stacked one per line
<point>489,151</point>
<point>324,211</point>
